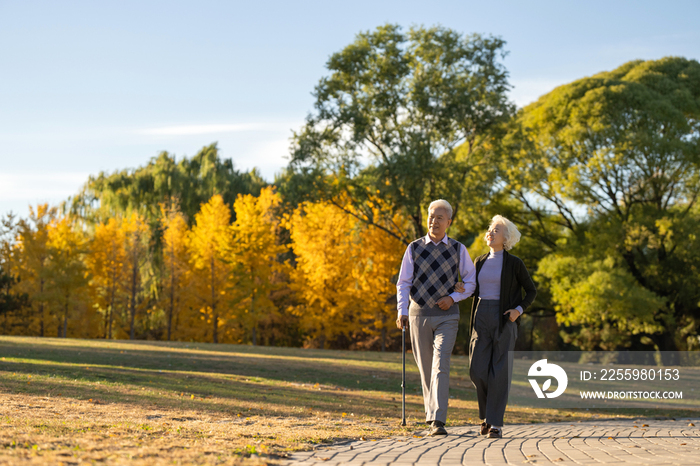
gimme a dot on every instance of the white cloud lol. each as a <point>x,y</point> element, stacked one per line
<point>38,187</point>
<point>188,130</point>
<point>269,157</point>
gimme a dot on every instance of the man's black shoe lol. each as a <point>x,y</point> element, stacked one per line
<point>485,428</point>
<point>438,429</point>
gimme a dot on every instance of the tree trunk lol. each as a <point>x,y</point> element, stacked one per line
<point>252,304</point>
<point>418,223</point>
<point>132,303</point>
<point>65,321</point>
<point>668,347</point>
<point>215,316</point>
<point>172,301</point>
<point>111,310</point>
<point>383,333</point>
<point>41,307</point>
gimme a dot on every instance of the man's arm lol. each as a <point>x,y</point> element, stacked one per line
<point>468,273</point>
<point>404,283</point>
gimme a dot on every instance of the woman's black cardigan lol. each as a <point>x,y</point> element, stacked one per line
<point>514,278</point>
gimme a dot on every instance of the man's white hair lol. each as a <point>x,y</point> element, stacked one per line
<point>441,203</point>
<point>510,231</point>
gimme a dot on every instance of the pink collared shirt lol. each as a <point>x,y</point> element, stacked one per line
<point>403,287</point>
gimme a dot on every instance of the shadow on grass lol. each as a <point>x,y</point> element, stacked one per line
<point>220,382</point>
<point>292,366</point>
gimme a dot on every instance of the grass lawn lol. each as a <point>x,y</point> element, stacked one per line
<point>116,402</point>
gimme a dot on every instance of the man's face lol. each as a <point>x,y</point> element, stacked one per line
<point>438,222</point>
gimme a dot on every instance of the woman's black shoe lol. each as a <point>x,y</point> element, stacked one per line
<point>485,428</point>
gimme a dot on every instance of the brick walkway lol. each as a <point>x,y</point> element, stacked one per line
<point>649,442</point>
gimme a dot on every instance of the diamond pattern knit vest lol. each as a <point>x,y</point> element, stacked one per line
<point>435,272</point>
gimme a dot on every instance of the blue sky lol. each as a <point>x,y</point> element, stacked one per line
<point>87,86</point>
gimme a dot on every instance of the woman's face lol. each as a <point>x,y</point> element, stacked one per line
<point>495,237</point>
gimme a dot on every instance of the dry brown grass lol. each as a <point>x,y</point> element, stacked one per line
<point>118,402</point>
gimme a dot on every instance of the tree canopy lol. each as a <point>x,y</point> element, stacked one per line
<point>188,182</point>
<point>406,117</point>
<point>614,160</point>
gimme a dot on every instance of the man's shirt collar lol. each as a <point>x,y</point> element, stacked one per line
<point>427,239</point>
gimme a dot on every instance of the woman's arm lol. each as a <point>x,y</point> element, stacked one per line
<point>459,286</point>
<point>525,281</point>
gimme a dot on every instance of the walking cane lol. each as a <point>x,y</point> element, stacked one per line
<point>403,374</point>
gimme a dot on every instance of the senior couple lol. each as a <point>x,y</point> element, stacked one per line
<point>428,291</point>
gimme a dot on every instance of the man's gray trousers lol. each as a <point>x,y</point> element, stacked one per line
<point>432,340</point>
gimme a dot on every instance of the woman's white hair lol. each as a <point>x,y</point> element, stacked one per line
<point>510,231</point>
<point>441,203</point>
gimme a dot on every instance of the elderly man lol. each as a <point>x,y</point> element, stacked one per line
<point>427,302</point>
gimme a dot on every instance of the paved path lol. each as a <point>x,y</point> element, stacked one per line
<point>648,442</point>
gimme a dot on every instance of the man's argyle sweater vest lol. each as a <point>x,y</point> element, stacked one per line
<point>435,272</point>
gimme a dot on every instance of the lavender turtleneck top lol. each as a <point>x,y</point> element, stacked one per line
<point>489,277</point>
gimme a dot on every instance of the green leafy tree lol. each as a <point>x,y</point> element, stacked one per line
<point>11,300</point>
<point>188,182</point>
<point>406,117</point>
<point>613,161</point>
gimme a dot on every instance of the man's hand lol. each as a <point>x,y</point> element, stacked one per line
<point>512,314</point>
<point>402,322</point>
<point>445,303</point>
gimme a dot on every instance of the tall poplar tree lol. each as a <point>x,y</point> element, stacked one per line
<point>255,252</point>
<point>106,264</point>
<point>176,279</point>
<point>66,270</point>
<point>210,243</point>
<point>375,271</point>
<point>325,243</point>
<point>137,237</point>
<point>32,257</point>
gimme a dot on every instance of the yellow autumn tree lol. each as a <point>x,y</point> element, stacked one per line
<point>255,252</point>
<point>325,242</point>
<point>209,246</point>
<point>106,263</point>
<point>67,277</point>
<point>375,272</point>
<point>137,236</point>
<point>176,270</point>
<point>30,265</point>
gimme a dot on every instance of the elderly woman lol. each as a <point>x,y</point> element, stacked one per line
<point>498,304</point>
